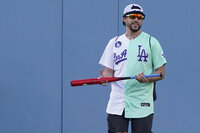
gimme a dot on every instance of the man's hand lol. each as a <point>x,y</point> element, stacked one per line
<point>101,76</point>
<point>107,73</point>
<point>140,77</point>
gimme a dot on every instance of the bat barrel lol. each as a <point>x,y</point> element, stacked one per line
<point>93,81</point>
<point>82,82</point>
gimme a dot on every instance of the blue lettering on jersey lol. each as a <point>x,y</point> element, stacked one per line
<point>121,57</point>
<point>142,54</point>
<point>163,55</point>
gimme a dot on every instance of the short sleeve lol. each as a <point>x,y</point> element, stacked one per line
<point>158,56</point>
<point>107,57</point>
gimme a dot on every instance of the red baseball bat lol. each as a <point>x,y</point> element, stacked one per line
<point>93,81</point>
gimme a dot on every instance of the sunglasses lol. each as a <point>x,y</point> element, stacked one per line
<point>134,16</point>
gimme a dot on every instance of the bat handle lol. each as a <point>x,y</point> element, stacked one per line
<point>154,75</point>
<point>148,76</point>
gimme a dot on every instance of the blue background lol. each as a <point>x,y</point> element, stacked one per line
<point>46,43</point>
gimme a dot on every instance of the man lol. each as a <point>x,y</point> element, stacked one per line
<point>133,53</point>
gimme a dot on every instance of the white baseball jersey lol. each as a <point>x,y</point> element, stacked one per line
<point>128,58</point>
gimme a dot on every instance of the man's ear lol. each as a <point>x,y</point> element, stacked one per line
<point>124,20</point>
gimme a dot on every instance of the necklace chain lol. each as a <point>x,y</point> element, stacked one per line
<point>131,37</point>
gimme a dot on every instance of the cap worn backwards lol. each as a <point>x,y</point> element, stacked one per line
<point>133,8</point>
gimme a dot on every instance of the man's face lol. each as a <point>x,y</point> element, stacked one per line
<point>133,22</point>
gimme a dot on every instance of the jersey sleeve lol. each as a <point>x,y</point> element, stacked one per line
<point>107,57</point>
<point>158,57</point>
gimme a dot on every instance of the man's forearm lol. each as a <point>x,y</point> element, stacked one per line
<point>157,71</point>
<point>108,72</point>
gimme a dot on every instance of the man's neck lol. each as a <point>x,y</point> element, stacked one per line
<point>131,35</point>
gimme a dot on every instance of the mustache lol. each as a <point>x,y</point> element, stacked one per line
<point>135,23</point>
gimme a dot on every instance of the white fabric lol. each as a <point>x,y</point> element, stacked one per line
<point>116,101</point>
<point>128,8</point>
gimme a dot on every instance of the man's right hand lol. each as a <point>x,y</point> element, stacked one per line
<point>107,73</point>
<point>101,76</point>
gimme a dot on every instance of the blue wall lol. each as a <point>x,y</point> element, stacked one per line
<point>30,67</point>
<point>88,25</point>
<point>46,43</point>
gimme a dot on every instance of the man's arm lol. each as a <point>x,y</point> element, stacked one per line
<point>140,77</point>
<point>106,73</point>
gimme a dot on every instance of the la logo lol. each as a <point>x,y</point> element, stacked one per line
<point>142,54</point>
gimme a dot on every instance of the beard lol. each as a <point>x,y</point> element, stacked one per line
<point>134,27</point>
